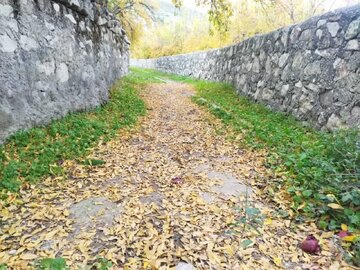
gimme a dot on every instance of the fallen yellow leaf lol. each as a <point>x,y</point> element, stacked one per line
<point>268,221</point>
<point>66,213</point>
<point>277,261</point>
<point>349,238</point>
<point>335,206</point>
<point>28,256</point>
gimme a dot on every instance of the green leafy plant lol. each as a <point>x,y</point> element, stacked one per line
<point>93,162</point>
<point>319,168</point>
<point>52,264</point>
<point>102,264</point>
<point>30,155</point>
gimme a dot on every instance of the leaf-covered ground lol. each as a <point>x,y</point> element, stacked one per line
<point>173,190</point>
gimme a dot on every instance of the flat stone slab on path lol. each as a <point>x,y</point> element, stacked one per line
<point>93,213</point>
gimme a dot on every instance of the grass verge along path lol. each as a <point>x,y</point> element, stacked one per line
<point>319,170</point>
<point>30,155</point>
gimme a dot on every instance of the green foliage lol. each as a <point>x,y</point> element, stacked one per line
<point>28,156</point>
<point>229,22</point>
<point>219,12</point>
<point>130,12</point>
<point>3,266</point>
<point>93,162</point>
<point>356,257</point>
<point>52,264</point>
<point>102,264</point>
<point>134,14</point>
<point>60,264</point>
<point>320,167</point>
<point>246,243</point>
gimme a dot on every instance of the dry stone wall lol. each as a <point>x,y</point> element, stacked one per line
<point>56,56</point>
<point>310,70</point>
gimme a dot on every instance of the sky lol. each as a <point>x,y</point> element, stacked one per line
<point>334,4</point>
<point>331,4</point>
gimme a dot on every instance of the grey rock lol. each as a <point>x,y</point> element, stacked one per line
<point>305,103</point>
<point>82,26</point>
<point>47,67</point>
<point>319,34</point>
<point>333,28</point>
<point>10,24</point>
<point>5,120</point>
<point>334,122</point>
<point>299,84</point>
<point>49,26</point>
<point>355,112</point>
<point>70,18</point>
<point>324,53</point>
<point>256,65</point>
<point>62,73</point>
<point>7,44</point>
<point>230,185</point>
<point>313,87</point>
<point>267,94</point>
<point>283,59</point>
<point>353,29</point>
<point>184,266</point>
<point>101,21</point>
<point>306,35</point>
<point>56,7</point>
<point>298,61</point>
<point>341,69</point>
<point>321,23</point>
<point>28,43</point>
<point>6,10</point>
<point>267,66</point>
<point>284,89</point>
<point>13,252</point>
<point>294,36</point>
<point>313,68</point>
<point>352,45</point>
<point>153,197</point>
<point>326,98</point>
<point>93,213</point>
<point>74,3</point>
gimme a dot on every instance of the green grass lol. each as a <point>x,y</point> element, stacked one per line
<point>321,167</point>
<point>31,155</point>
<point>60,264</point>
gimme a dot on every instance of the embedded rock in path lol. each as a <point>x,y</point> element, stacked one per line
<point>93,213</point>
<point>230,186</point>
<point>153,197</point>
<point>184,266</point>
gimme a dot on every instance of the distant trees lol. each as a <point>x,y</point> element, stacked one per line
<point>219,13</point>
<point>296,10</point>
<point>133,14</point>
<point>242,19</point>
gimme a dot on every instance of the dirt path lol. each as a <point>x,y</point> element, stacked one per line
<point>171,195</point>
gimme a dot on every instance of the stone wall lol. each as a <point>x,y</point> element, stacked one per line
<point>56,56</point>
<point>310,70</point>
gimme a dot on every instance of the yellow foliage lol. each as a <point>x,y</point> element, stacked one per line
<point>188,32</point>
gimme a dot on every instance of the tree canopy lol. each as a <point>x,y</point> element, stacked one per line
<point>188,31</point>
